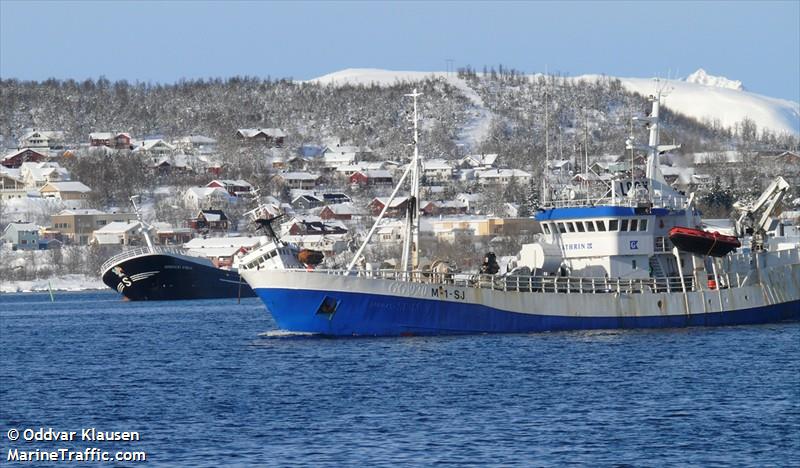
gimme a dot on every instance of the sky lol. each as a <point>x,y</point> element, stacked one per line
<point>757,43</point>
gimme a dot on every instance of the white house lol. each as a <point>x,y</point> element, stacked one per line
<point>299,180</point>
<point>65,190</point>
<point>500,177</point>
<point>154,147</point>
<point>11,185</point>
<point>479,161</point>
<point>342,155</point>
<point>202,197</point>
<point>437,170</point>
<point>36,174</point>
<point>117,233</point>
<point>43,139</point>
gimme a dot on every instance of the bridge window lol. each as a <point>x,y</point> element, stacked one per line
<point>561,228</point>
<point>634,224</point>
<point>590,226</point>
<point>579,225</point>
<point>613,225</point>
<point>571,227</point>
<point>643,225</point>
<point>601,225</point>
<point>623,225</point>
<point>546,228</point>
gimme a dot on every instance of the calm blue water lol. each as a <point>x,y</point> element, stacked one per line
<point>204,387</point>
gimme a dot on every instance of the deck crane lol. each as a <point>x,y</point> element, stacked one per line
<point>747,223</point>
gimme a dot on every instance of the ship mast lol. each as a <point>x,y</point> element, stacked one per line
<point>653,147</point>
<point>145,228</point>
<point>411,240</point>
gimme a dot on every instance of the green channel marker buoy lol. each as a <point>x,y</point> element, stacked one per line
<point>50,288</point>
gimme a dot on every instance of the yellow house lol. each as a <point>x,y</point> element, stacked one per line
<point>65,190</point>
<point>448,229</point>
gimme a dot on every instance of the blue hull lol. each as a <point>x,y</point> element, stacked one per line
<point>379,315</point>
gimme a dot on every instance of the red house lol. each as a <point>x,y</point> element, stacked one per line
<point>397,209</point>
<point>15,159</point>
<point>343,211</point>
<point>378,177</point>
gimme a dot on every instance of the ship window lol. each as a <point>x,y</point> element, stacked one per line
<point>623,225</point>
<point>643,225</point>
<point>633,263</point>
<point>561,228</point>
<point>613,224</point>
<point>571,227</point>
<point>579,225</point>
<point>634,224</point>
<point>601,225</point>
<point>546,228</point>
<point>590,226</point>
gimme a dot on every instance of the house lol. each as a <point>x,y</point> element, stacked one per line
<point>234,187</point>
<point>118,233</point>
<point>447,229</point>
<point>209,221</point>
<point>268,136</point>
<point>371,178</point>
<point>341,211</point>
<point>390,232</point>
<point>199,197</point>
<point>306,202</point>
<point>397,209</point>
<point>22,235</point>
<point>299,180</point>
<point>11,187</point>
<point>452,207</point>
<point>222,250</point>
<point>308,225</point>
<point>77,226</point>
<point>42,139</point>
<point>153,147</point>
<point>478,161</point>
<point>501,177</point>
<point>342,155</point>
<point>561,167</point>
<point>37,174</point>
<point>196,144</point>
<point>429,208</point>
<point>437,170</point>
<point>65,190</point>
<point>120,141</point>
<point>17,157</point>
<point>470,200</point>
<point>331,198</point>
<point>175,164</point>
<point>166,234</point>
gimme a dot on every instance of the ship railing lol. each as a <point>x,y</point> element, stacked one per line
<point>137,251</point>
<point>544,284</point>
<point>674,203</point>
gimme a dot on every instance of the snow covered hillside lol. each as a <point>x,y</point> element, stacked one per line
<point>701,96</point>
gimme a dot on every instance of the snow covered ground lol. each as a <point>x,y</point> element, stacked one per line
<point>70,282</point>
<point>470,135</point>
<point>701,96</point>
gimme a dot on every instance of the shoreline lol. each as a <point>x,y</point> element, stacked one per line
<point>65,283</point>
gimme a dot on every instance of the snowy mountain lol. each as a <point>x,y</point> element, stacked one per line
<point>700,96</point>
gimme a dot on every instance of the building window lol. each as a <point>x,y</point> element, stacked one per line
<point>561,228</point>
<point>571,227</point>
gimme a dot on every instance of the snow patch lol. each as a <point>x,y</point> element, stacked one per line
<point>71,282</point>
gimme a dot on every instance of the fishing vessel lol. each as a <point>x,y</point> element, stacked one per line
<point>161,273</point>
<point>602,262</point>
